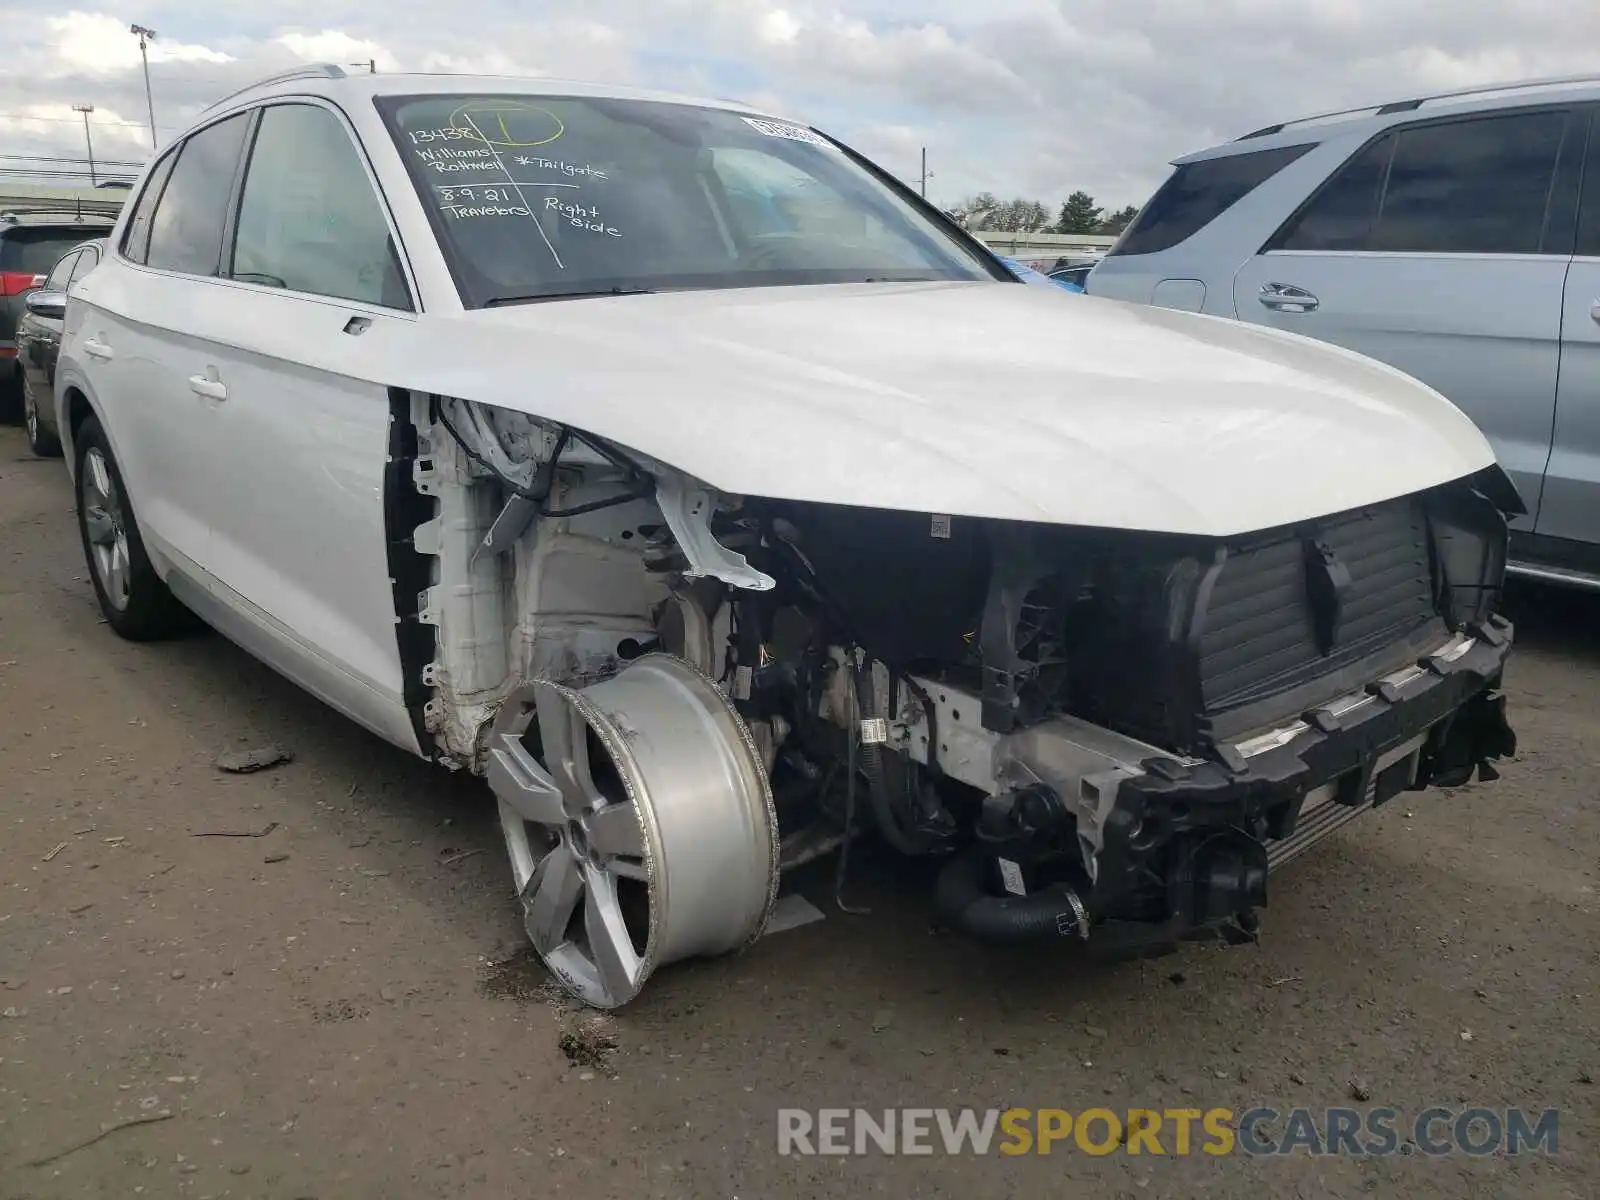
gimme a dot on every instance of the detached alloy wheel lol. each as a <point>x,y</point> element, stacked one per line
<point>133,599</point>
<point>639,824</point>
<point>41,441</point>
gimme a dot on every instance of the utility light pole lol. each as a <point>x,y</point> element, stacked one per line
<point>145,36</point>
<point>86,109</point>
<point>371,65</point>
<point>925,173</point>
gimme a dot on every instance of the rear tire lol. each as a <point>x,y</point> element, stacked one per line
<point>134,600</point>
<point>41,441</point>
<point>11,397</point>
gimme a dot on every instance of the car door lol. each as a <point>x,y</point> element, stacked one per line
<point>39,335</point>
<point>1441,248</point>
<point>295,414</point>
<point>1571,507</point>
<point>140,340</point>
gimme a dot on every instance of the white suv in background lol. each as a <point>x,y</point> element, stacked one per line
<point>1454,236</point>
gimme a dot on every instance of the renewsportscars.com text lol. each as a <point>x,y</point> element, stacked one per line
<point>1170,1131</point>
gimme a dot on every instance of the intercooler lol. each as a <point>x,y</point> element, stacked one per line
<point>1322,813</point>
<point>1192,646</point>
<point>1266,632</point>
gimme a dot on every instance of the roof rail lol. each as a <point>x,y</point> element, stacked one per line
<point>1413,103</point>
<point>13,213</point>
<point>309,71</point>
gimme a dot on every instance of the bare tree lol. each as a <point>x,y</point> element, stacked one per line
<point>1018,215</point>
<point>972,212</point>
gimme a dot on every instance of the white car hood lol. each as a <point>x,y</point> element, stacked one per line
<point>973,399</point>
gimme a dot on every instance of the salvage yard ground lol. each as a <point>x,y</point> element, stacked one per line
<point>337,1005</point>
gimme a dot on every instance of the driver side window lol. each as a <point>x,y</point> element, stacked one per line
<point>309,219</point>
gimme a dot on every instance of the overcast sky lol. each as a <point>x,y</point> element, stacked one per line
<point>1032,97</point>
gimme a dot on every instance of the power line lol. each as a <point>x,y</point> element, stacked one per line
<point>57,158</point>
<point>23,173</point>
<point>74,121</point>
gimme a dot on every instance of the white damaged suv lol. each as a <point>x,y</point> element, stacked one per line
<point>678,470</point>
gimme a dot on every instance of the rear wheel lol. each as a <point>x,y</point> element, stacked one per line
<point>41,440</point>
<point>132,597</point>
<point>11,396</point>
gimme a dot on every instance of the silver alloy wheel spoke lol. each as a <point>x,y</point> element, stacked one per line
<point>523,784</point>
<point>99,477</point>
<point>607,933</point>
<point>105,526</point>
<point>101,531</point>
<point>615,830</point>
<point>565,737</point>
<point>630,868</point>
<point>117,572</point>
<point>551,897</point>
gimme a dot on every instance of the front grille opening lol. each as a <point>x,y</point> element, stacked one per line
<point>1259,633</point>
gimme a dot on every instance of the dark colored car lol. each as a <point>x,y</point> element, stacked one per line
<point>31,243</point>
<point>1072,271</point>
<point>39,343</point>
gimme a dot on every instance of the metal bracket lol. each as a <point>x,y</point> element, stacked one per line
<point>688,515</point>
<point>510,525</point>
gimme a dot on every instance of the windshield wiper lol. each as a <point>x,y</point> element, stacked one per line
<point>536,297</point>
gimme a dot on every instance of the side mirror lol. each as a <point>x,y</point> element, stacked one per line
<point>51,305</point>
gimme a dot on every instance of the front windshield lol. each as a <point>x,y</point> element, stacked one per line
<point>547,196</point>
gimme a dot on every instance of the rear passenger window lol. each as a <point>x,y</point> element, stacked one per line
<point>186,231</point>
<point>1482,186</point>
<point>1472,187</point>
<point>1589,215</point>
<point>1198,193</point>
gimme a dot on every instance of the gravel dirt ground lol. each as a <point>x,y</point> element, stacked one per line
<point>340,1007</point>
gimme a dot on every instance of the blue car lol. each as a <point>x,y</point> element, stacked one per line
<point>1029,275</point>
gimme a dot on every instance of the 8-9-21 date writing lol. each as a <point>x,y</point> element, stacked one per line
<point>477,195</point>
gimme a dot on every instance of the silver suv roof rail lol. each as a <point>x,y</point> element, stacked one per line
<point>16,214</point>
<point>1394,106</point>
<point>309,71</point>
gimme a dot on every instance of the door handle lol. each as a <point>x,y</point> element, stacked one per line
<point>1285,297</point>
<point>1594,312</point>
<point>211,389</point>
<point>98,349</point>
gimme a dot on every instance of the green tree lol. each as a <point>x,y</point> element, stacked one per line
<point>1079,214</point>
<point>1118,221</point>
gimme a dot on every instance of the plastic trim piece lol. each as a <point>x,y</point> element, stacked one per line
<point>1451,699</point>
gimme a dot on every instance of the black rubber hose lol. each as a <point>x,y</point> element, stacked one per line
<point>879,792</point>
<point>965,905</point>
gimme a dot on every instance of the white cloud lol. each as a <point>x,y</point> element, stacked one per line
<point>1017,96</point>
<point>334,45</point>
<point>778,28</point>
<point>103,44</point>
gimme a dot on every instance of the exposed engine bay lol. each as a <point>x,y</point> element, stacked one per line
<point>1110,736</point>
